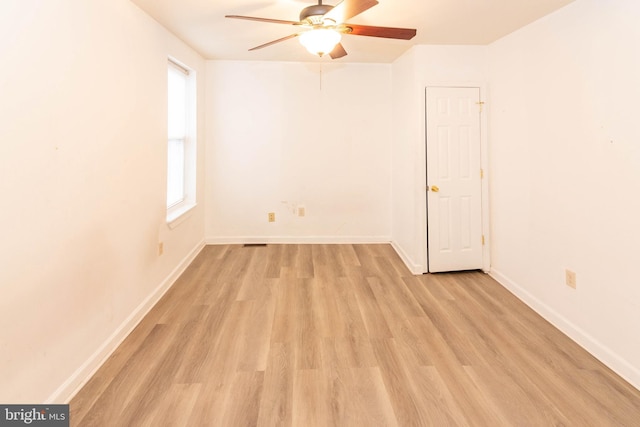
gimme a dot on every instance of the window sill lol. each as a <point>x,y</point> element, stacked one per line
<point>179,214</point>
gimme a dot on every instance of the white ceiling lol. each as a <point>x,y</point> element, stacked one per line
<point>202,25</point>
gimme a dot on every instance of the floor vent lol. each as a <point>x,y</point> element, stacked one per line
<point>253,245</point>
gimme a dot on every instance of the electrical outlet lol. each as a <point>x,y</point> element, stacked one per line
<point>160,248</point>
<point>301,211</point>
<point>272,217</point>
<point>570,278</point>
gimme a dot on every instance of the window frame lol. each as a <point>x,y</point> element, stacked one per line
<point>177,211</point>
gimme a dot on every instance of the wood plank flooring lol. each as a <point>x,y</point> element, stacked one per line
<point>344,335</point>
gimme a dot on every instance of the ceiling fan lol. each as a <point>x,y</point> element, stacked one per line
<point>322,26</point>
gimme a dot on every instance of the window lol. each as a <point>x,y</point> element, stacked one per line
<point>181,140</point>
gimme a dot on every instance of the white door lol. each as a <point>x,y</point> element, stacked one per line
<point>454,203</point>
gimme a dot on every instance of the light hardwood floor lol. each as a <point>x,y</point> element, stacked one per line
<point>344,335</point>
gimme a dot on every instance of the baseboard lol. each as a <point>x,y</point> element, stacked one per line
<point>413,268</point>
<point>79,378</point>
<point>231,240</point>
<point>616,363</point>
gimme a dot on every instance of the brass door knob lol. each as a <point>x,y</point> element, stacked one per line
<point>435,188</point>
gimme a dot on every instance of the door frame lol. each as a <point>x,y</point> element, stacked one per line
<point>484,164</point>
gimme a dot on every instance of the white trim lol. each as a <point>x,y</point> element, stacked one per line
<point>231,240</point>
<point>81,376</point>
<point>601,352</point>
<point>238,240</point>
<point>484,162</point>
<point>177,215</point>
<point>179,66</point>
<point>416,269</point>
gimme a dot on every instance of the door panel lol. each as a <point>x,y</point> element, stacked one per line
<point>454,211</point>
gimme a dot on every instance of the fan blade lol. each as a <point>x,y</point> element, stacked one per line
<point>253,18</point>
<point>338,52</point>
<point>347,9</point>
<point>274,42</point>
<point>384,32</point>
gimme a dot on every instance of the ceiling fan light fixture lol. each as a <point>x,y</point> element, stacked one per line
<point>320,41</point>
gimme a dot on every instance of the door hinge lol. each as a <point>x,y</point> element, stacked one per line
<point>483,240</point>
<point>481,104</point>
<point>481,173</point>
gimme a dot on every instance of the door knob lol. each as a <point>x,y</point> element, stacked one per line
<point>435,188</point>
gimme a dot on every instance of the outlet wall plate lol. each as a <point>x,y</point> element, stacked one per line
<point>570,278</point>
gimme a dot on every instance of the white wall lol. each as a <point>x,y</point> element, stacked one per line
<point>282,135</point>
<point>420,67</point>
<point>565,157</point>
<point>406,143</point>
<point>82,179</point>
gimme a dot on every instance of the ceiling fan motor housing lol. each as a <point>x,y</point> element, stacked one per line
<point>314,14</point>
